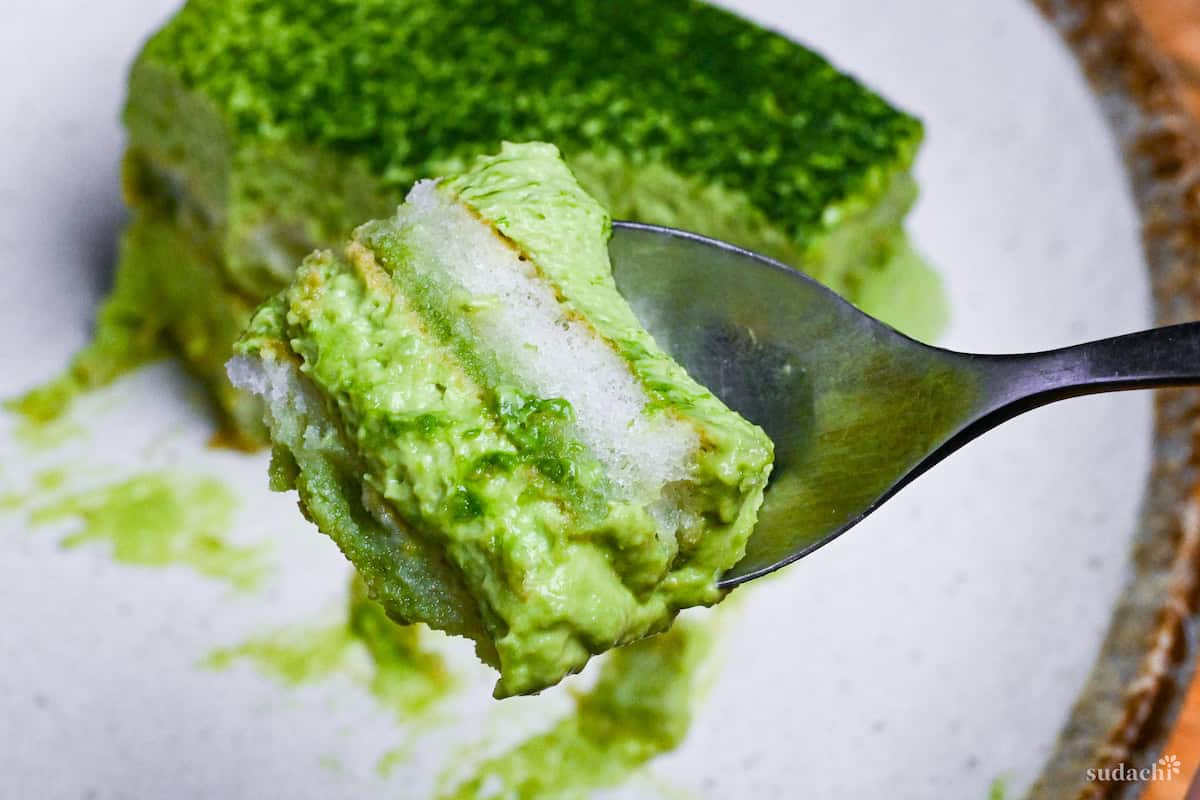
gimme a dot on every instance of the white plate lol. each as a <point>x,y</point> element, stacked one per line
<point>936,647</point>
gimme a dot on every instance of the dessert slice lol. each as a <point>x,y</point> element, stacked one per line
<point>470,409</point>
<point>259,131</point>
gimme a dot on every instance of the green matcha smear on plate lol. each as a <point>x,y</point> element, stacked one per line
<point>154,519</point>
<point>403,674</point>
<point>640,706</point>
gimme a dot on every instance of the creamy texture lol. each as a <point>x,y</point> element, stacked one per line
<point>493,507</point>
<point>515,317</point>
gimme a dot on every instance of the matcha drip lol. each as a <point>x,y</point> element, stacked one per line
<point>639,708</point>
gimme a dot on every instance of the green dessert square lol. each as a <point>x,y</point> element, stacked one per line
<point>260,130</point>
<point>470,409</point>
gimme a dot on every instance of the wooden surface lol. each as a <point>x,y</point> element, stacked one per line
<point>1184,744</point>
<point>1175,27</point>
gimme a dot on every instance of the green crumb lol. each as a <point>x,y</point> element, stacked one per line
<point>390,760</point>
<point>158,519</point>
<point>998,789</point>
<point>404,676</point>
<point>640,707</point>
<point>51,479</point>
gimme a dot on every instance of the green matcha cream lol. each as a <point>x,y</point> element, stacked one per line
<point>468,407</point>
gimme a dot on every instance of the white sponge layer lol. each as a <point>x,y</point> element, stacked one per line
<point>516,315</point>
<point>277,384</point>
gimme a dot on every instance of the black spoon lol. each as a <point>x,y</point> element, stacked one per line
<point>856,409</point>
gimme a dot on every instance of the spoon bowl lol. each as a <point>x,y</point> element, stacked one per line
<point>855,408</point>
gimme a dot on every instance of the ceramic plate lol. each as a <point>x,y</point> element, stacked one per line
<point>938,647</point>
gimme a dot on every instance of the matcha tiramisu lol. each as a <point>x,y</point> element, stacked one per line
<point>466,404</point>
<point>260,130</point>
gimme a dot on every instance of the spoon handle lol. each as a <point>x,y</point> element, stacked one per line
<point>1159,357</point>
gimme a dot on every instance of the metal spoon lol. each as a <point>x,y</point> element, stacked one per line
<point>856,409</point>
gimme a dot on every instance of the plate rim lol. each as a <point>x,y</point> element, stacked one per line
<point>1134,692</point>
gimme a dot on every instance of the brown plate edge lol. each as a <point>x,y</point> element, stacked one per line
<point>1136,687</point>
